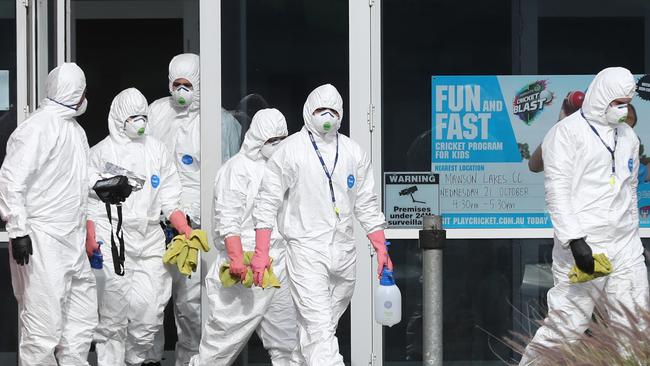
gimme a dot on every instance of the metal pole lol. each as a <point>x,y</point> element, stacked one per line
<point>432,241</point>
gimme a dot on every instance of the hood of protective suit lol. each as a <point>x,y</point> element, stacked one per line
<point>187,66</point>
<point>325,96</point>
<point>611,83</point>
<point>266,124</point>
<point>65,86</point>
<point>129,102</point>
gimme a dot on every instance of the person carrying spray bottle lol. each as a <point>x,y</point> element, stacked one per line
<point>315,183</point>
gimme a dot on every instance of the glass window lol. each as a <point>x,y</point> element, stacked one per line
<point>114,59</point>
<point>274,53</point>
<point>9,307</point>
<point>590,54</point>
<point>8,106</point>
<point>8,118</point>
<point>491,287</point>
<point>51,35</point>
<point>424,38</point>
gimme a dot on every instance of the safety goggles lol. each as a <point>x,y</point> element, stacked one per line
<point>326,112</point>
<point>139,117</point>
<point>187,85</point>
<point>275,140</point>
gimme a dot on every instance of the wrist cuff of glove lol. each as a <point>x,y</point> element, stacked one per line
<point>178,220</point>
<point>378,240</point>
<point>233,247</point>
<point>572,241</point>
<point>262,241</point>
<point>90,229</point>
<point>19,237</point>
<point>17,227</point>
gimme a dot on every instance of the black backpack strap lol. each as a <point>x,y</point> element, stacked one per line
<point>118,256</point>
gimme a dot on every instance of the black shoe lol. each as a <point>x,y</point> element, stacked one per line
<point>152,364</point>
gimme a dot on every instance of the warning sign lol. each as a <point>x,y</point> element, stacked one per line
<point>408,197</point>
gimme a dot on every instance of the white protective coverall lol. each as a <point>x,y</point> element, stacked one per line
<point>321,253</point>
<point>133,305</point>
<point>44,194</point>
<point>583,204</point>
<point>179,128</point>
<point>236,312</point>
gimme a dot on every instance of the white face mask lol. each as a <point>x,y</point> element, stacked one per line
<point>183,96</point>
<point>82,108</point>
<point>270,146</point>
<point>616,114</point>
<point>136,127</point>
<point>268,149</point>
<point>325,122</point>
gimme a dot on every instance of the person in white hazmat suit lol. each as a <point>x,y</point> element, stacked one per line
<point>175,120</point>
<point>591,159</point>
<point>43,199</point>
<point>132,306</point>
<point>236,312</point>
<point>328,181</point>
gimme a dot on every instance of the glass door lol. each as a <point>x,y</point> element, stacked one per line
<point>273,54</point>
<point>130,44</point>
<point>13,42</point>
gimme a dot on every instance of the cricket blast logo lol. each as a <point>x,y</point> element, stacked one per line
<point>531,100</point>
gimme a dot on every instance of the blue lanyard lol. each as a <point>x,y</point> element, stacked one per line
<point>612,152</point>
<point>327,172</point>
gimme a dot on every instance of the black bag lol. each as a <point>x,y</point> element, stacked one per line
<point>113,190</point>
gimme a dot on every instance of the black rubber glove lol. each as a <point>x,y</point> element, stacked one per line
<point>583,256</point>
<point>21,249</point>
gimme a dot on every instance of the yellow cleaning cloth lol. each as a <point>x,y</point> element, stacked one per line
<point>602,267</point>
<point>227,280</point>
<point>185,252</point>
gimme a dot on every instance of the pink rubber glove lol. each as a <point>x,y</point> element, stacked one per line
<point>260,260</point>
<point>236,255</point>
<point>378,241</point>
<point>91,241</point>
<point>179,222</point>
